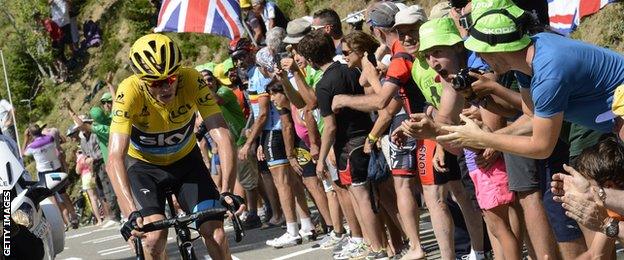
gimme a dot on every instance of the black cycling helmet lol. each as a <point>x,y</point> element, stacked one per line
<point>240,47</point>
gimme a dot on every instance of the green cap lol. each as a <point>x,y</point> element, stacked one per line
<point>207,66</point>
<point>107,97</point>
<point>438,32</point>
<point>228,64</point>
<point>481,6</point>
<point>497,27</point>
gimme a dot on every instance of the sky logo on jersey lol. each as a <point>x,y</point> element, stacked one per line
<point>162,143</point>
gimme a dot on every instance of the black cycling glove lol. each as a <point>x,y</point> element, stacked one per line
<point>237,201</point>
<point>129,225</point>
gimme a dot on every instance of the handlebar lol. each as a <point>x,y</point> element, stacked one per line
<point>184,220</point>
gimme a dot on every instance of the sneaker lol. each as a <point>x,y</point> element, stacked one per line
<point>344,241</point>
<point>252,221</point>
<point>308,235</point>
<point>285,240</point>
<point>381,255</point>
<point>353,251</point>
<point>330,240</point>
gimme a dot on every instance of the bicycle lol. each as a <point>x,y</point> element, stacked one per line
<point>181,226</point>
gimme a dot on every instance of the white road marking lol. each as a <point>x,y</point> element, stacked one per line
<point>73,258</point>
<point>103,239</point>
<point>113,249</point>
<point>207,257</point>
<point>297,253</point>
<point>90,232</point>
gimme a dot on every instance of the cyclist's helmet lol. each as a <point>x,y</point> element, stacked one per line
<point>240,47</point>
<point>155,57</point>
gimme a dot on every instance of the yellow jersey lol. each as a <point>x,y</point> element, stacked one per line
<point>161,133</point>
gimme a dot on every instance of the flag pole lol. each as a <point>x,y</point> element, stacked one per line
<point>6,80</point>
<point>242,20</point>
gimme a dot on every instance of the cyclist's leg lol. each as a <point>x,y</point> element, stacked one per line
<point>198,192</point>
<point>150,201</point>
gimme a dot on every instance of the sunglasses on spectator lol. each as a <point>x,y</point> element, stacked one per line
<point>346,52</point>
<point>107,102</point>
<point>158,84</point>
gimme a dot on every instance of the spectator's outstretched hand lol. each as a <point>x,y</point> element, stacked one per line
<point>563,183</point>
<point>483,86</point>
<point>109,77</point>
<point>419,126</point>
<point>587,209</point>
<point>466,135</point>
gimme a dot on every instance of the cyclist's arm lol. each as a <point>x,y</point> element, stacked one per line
<point>116,169</point>
<point>221,135</point>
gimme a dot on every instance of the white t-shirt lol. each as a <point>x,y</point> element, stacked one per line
<point>59,12</point>
<point>5,110</point>
<point>268,13</point>
<point>44,151</point>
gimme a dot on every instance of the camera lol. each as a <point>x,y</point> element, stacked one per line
<point>458,3</point>
<point>463,80</point>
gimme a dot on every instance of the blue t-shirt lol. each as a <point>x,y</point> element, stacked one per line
<point>258,88</point>
<point>575,78</point>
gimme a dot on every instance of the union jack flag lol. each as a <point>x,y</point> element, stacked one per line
<point>220,17</point>
<point>565,15</point>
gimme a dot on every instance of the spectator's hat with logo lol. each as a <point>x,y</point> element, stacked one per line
<point>296,30</point>
<point>440,10</point>
<point>438,32</point>
<point>381,14</point>
<point>107,97</point>
<point>497,27</point>
<point>410,15</point>
<point>617,106</point>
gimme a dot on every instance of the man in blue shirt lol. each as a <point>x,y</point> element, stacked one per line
<point>570,80</point>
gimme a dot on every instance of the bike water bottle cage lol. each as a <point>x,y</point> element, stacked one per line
<point>493,39</point>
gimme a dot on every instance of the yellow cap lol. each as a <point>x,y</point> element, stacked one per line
<point>221,74</point>
<point>245,3</point>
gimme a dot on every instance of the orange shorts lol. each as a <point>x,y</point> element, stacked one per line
<point>425,149</point>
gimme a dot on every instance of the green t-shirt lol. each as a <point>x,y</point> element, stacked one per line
<point>424,76</point>
<point>581,138</point>
<point>312,77</point>
<point>102,132</point>
<point>232,113</point>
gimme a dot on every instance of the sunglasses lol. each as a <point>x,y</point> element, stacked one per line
<point>107,102</point>
<point>346,52</point>
<point>158,84</point>
<point>316,27</point>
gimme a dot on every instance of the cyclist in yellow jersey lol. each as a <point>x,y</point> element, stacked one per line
<point>152,146</point>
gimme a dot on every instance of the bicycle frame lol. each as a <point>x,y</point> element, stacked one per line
<point>185,245</point>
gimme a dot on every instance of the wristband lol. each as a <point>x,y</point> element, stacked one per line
<point>372,138</point>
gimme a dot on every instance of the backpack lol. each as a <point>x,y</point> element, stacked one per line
<point>92,34</point>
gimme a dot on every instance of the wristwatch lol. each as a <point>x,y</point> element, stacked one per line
<point>612,229</point>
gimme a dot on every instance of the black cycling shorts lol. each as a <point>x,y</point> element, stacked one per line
<point>274,148</point>
<point>305,160</point>
<point>188,178</point>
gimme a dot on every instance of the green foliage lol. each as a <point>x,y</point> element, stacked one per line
<point>137,13</point>
<point>604,28</point>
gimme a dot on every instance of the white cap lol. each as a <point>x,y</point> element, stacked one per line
<point>410,15</point>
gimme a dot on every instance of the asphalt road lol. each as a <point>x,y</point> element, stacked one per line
<point>92,242</point>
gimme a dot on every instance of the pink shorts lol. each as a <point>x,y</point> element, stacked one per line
<point>492,186</point>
